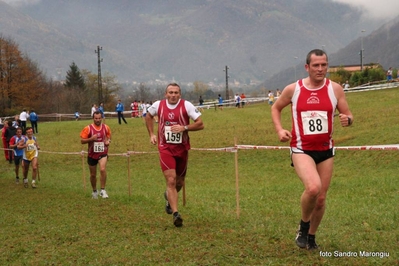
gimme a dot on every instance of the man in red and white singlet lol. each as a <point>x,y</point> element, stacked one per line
<point>174,116</point>
<point>313,103</point>
<point>313,117</point>
<point>98,138</point>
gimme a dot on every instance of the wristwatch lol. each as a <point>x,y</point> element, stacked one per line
<point>186,128</point>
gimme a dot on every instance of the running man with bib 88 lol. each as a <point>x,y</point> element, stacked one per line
<point>313,103</point>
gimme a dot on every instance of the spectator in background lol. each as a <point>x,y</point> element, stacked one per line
<point>237,100</point>
<point>271,97</point>
<point>278,93</point>
<point>93,109</point>
<point>23,117</point>
<point>201,103</point>
<point>243,101</point>
<point>77,115</point>
<point>119,109</point>
<point>389,75</point>
<point>144,107</point>
<point>135,111</point>
<point>141,103</point>
<point>101,110</point>
<point>10,132</point>
<point>4,139</point>
<point>33,120</point>
<point>220,100</point>
<point>346,86</point>
<point>16,122</point>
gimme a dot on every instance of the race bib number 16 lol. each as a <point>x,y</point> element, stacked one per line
<point>98,146</point>
<point>314,122</point>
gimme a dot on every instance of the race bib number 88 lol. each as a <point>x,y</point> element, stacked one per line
<point>172,138</point>
<point>314,122</point>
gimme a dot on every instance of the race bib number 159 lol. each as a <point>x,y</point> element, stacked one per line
<point>173,138</point>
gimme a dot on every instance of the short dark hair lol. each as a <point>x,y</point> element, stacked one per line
<point>317,52</point>
<point>174,84</point>
<point>97,113</point>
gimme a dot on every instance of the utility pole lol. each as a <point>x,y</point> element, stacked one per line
<point>227,83</point>
<point>361,50</point>
<point>99,80</point>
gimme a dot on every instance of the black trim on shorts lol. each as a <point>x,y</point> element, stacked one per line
<point>317,156</point>
<point>93,162</point>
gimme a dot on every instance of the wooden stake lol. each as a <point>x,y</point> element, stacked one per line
<point>84,172</point>
<point>184,193</point>
<point>38,173</point>
<point>237,186</point>
<point>128,173</point>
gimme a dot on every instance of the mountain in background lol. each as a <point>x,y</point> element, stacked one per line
<point>184,40</point>
<point>380,46</point>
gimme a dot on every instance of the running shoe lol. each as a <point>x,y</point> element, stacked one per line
<point>17,180</point>
<point>301,239</point>
<point>177,220</point>
<point>94,195</point>
<point>168,209</point>
<point>26,182</point>
<point>33,184</point>
<point>103,194</point>
<point>311,245</point>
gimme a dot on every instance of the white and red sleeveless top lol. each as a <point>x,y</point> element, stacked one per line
<point>97,148</point>
<point>168,117</point>
<point>313,117</point>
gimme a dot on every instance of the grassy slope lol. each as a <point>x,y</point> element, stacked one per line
<point>60,224</point>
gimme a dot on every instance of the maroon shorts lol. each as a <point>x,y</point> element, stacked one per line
<point>174,161</point>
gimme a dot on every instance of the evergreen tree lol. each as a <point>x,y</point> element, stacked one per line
<point>76,95</point>
<point>74,78</point>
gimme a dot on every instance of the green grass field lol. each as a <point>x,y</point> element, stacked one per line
<point>59,224</point>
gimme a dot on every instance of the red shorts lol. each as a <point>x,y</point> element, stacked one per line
<point>174,161</point>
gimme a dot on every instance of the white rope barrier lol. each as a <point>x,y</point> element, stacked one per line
<point>373,147</point>
<point>227,149</point>
<point>368,147</point>
<point>253,147</point>
<point>234,149</point>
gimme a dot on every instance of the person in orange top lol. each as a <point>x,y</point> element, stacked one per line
<point>98,138</point>
<point>243,101</point>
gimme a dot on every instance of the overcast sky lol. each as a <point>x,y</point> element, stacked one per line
<point>379,9</point>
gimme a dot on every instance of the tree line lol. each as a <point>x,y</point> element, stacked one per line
<point>23,85</point>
